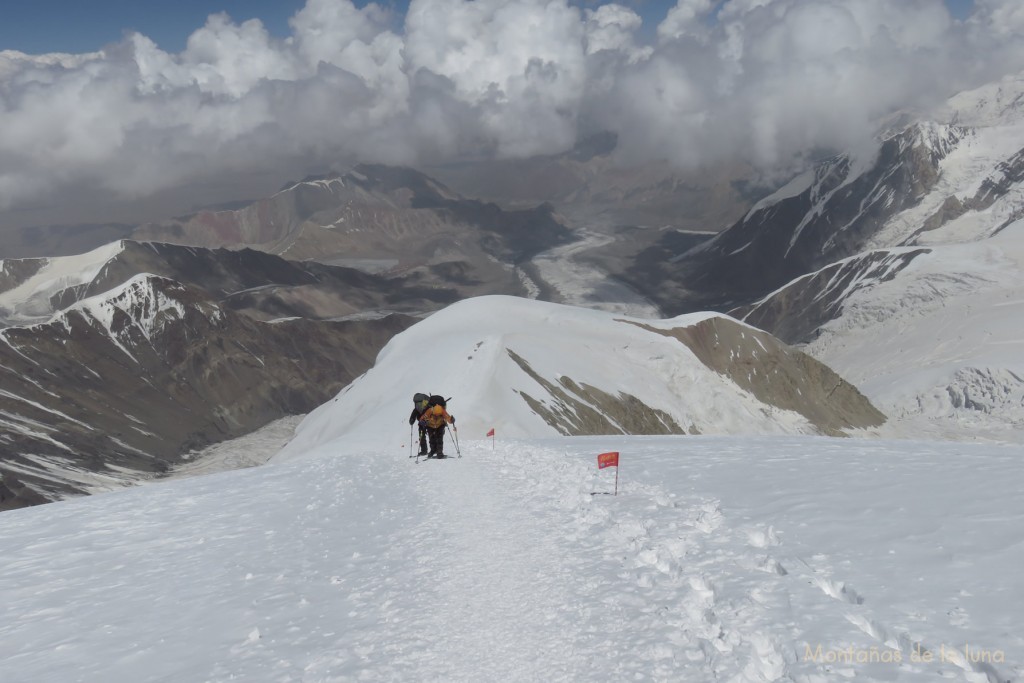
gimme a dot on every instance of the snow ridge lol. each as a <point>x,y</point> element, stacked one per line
<point>564,370</point>
<point>29,301</point>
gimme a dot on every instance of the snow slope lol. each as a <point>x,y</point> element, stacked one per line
<point>950,325</point>
<point>505,361</point>
<point>29,300</point>
<point>938,345</point>
<point>721,559</point>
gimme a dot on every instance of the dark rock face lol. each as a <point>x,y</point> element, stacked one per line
<point>777,374</point>
<point>117,388</point>
<point>833,218</point>
<point>795,312</point>
<point>572,408</point>
<point>1008,174</point>
<point>13,272</point>
<point>771,372</point>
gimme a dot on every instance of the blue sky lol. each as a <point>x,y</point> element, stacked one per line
<point>39,26</point>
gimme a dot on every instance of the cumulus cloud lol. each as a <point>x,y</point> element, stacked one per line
<point>765,81</point>
<point>613,28</point>
<point>684,19</point>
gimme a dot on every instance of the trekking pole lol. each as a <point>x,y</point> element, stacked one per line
<point>455,438</point>
<point>410,441</point>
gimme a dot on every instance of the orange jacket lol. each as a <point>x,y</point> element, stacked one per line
<point>434,420</point>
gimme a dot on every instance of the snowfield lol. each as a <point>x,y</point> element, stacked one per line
<point>802,559</point>
<point>722,558</point>
<point>29,300</point>
<point>939,347</point>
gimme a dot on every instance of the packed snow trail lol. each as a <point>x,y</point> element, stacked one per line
<point>518,573</point>
<point>721,559</point>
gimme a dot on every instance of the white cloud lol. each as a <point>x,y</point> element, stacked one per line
<point>613,27</point>
<point>763,80</point>
<point>684,19</point>
<point>520,63</point>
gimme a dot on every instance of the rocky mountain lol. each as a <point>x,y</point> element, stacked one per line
<point>796,311</point>
<point>962,165</point>
<point>825,215</point>
<point>263,285</point>
<point>925,319</point>
<point>398,221</point>
<point>591,186</point>
<point>195,345</point>
<point>372,212</point>
<point>931,334</point>
<point>118,387</point>
<point>620,209</point>
<point>531,369</point>
<point>967,185</point>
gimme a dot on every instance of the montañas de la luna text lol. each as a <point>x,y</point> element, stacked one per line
<point>885,655</point>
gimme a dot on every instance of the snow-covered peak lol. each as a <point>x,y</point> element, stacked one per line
<point>531,369</point>
<point>330,184</point>
<point>148,300</point>
<point>31,282</point>
<point>135,311</point>
<point>937,138</point>
<point>993,104</point>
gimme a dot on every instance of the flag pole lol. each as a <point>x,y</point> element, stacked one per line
<point>610,459</point>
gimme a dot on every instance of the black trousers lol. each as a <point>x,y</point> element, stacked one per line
<point>436,436</point>
<point>423,439</point>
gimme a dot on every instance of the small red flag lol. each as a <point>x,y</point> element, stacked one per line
<point>491,433</point>
<point>608,460</point>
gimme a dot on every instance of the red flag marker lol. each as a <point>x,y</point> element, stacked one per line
<point>491,433</point>
<point>610,459</point>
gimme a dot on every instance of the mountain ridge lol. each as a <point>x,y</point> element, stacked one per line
<point>501,359</point>
<point>119,386</point>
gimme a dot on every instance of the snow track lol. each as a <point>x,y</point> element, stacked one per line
<point>721,559</point>
<point>498,585</point>
<point>532,578</point>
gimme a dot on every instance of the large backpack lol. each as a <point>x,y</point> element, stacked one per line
<point>437,400</point>
<point>419,403</point>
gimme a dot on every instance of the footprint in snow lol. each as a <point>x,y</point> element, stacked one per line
<point>958,617</point>
<point>762,538</point>
<point>838,590</point>
<point>709,518</point>
<point>770,565</point>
